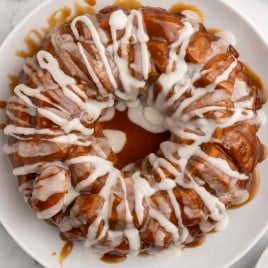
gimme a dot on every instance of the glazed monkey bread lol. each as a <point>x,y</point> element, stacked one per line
<point>168,73</point>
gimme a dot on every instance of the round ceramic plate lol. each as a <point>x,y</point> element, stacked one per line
<point>263,260</point>
<point>246,224</point>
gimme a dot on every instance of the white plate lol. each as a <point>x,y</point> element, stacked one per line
<point>247,224</point>
<point>263,260</point>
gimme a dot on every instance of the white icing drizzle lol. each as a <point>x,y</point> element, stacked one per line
<point>192,15</point>
<point>48,62</point>
<point>49,186</point>
<point>70,196</point>
<point>90,69</point>
<point>137,115</point>
<point>142,190</point>
<point>133,237</point>
<point>116,138</point>
<point>97,41</point>
<point>221,225</point>
<point>51,211</point>
<point>153,114</point>
<point>34,168</point>
<point>224,76</point>
<point>165,223</point>
<point>222,165</point>
<point>171,77</point>
<point>119,21</point>
<point>228,36</point>
<point>108,115</point>
<point>184,233</point>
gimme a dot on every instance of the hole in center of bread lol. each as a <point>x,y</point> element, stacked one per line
<point>139,142</point>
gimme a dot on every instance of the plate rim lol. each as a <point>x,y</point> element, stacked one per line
<point>229,6</point>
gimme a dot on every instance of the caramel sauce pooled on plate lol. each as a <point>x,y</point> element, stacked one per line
<point>213,30</point>
<point>2,126</point>
<point>177,8</point>
<point>13,81</point>
<point>254,186</point>
<point>109,258</point>
<point>65,251</point>
<point>252,189</point>
<point>53,254</point>
<point>196,243</point>
<point>256,79</point>
<point>91,2</point>
<point>128,4</point>
<point>60,16</point>
<point>32,41</point>
<point>3,104</point>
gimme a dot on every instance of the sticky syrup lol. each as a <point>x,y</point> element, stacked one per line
<point>81,9</point>
<point>128,4</point>
<point>32,41</point>
<point>252,188</point>
<point>60,16</point>
<point>177,8</point>
<point>253,76</point>
<point>196,243</point>
<point>213,30</point>
<point>65,251</point>
<point>131,152</point>
<point>3,104</point>
<point>13,81</point>
<point>109,258</point>
<point>255,184</point>
<point>139,141</point>
<point>144,254</point>
<point>91,2</point>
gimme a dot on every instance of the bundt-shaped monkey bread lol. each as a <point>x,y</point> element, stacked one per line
<point>168,73</point>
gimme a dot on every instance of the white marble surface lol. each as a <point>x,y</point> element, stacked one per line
<point>11,12</point>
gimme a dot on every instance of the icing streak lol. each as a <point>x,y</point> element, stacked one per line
<point>62,15</point>
<point>63,158</point>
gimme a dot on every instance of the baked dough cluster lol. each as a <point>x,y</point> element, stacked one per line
<point>169,74</point>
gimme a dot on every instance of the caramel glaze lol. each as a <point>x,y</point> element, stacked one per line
<point>60,16</point>
<point>13,81</point>
<point>255,80</point>
<point>91,2</point>
<point>213,30</point>
<point>128,4</point>
<point>177,8</point>
<point>253,187</point>
<point>132,150</point>
<point>197,243</point>
<point>109,258</point>
<point>32,41</point>
<point>2,126</point>
<point>3,104</point>
<point>65,251</point>
<point>139,141</point>
<point>144,254</point>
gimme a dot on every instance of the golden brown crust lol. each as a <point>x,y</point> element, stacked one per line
<point>238,145</point>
